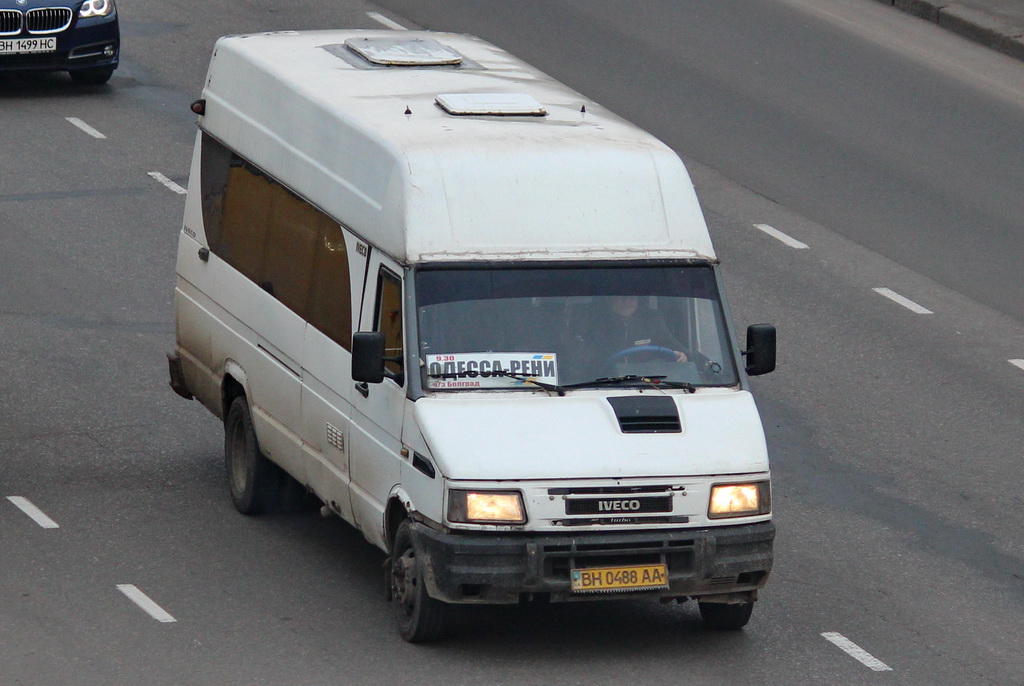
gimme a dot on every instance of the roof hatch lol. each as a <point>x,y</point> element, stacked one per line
<point>404,52</point>
<point>506,104</point>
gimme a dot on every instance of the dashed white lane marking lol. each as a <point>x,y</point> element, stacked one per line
<point>146,603</point>
<point>779,236</point>
<point>167,182</point>
<point>855,651</point>
<point>85,127</point>
<point>378,17</point>
<point>34,512</point>
<point>1017,363</point>
<point>905,302</point>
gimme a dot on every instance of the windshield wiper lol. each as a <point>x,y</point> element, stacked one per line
<point>519,377</point>
<point>653,380</point>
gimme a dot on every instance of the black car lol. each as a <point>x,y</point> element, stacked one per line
<point>81,38</point>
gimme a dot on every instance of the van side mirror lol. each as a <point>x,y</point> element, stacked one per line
<point>760,350</point>
<point>368,356</point>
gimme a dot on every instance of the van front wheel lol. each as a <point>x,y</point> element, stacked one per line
<point>254,481</point>
<point>725,617</point>
<point>420,617</point>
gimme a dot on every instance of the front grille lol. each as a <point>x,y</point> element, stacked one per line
<point>48,20</point>
<point>10,22</point>
<point>614,490</point>
<point>618,505</point>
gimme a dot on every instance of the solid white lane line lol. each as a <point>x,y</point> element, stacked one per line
<point>167,182</point>
<point>144,601</point>
<point>899,299</point>
<point>34,512</point>
<point>855,651</point>
<point>1017,363</point>
<point>779,236</point>
<point>378,17</point>
<point>85,127</point>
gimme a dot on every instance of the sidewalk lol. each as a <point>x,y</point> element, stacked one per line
<point>996,24</point>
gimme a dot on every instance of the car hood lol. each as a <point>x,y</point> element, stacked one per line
<point>519,436</point>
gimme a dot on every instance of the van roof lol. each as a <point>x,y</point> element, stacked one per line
<point>438,146</point>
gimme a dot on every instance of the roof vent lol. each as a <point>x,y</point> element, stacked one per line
<point>404,52</point>
<point>502,104</point>
<point>644,414</point>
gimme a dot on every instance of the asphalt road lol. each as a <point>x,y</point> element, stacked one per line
<point>885,146</point>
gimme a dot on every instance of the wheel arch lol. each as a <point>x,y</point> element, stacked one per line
<point>399,508</point>
<point>233,384</point>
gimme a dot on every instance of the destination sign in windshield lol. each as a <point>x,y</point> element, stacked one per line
<point>490,370</point>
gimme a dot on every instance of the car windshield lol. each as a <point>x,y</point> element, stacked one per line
<point>488,328</point>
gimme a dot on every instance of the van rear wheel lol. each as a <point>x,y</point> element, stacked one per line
<point>420,617</point>
<point>725,617</point>
<point>256,484</point>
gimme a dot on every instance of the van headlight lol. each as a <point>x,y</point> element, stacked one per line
<point>740,500</point>
<point>486,507</point>
<point>96,8</point>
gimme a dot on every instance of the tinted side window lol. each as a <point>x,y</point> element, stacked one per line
<point>245,221</point>
<point>389,318</point>
<point>330,300</point>
<point>292,226</point>
<point>277,239</point>
<point>214,164</point>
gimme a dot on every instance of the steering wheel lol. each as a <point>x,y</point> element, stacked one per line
<point>658,352</point>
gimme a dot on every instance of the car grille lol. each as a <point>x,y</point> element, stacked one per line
<point>48,20</point>
<point>39,21</point>
<point>619,504</point>
<point>10,22</point>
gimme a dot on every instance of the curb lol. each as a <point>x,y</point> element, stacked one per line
<point>968,23</point>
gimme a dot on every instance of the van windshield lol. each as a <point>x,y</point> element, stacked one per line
<point>490,328</point>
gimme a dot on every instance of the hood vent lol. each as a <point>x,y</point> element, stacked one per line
<point>643,414</point>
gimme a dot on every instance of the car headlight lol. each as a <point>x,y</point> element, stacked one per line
<point>740,500</point>
<point>486,507</point>
<point>96,8</point>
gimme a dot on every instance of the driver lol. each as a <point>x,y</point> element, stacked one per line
<point>624,324</point>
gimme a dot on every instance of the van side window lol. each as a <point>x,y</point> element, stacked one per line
<point>330,299</point>
<point>389,319</point>
<point>290,244</point>
<point>278,240</point>
<point>215,161</point>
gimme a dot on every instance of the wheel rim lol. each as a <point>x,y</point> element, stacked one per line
<point>404,582</point>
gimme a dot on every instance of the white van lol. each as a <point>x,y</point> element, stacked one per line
<point>479,317</point>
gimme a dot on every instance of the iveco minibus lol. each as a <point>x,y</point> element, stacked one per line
<point>476,315</point>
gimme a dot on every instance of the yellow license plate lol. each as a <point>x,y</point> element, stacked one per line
<point>633,578</point>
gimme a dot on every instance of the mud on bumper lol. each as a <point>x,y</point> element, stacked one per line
<point>726,561</point>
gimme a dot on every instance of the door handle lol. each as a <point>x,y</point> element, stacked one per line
<point>363,388</point>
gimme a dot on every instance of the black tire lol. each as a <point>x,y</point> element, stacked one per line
<point>725,617</point>
<point>91,77</point>
<point>420,617</point>
<point>257,485</point>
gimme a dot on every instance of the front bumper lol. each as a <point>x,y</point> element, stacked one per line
<point>729,562</point>
<point>87,44</point>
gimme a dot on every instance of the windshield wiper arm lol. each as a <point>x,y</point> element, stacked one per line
<point>658,380</point>
<point>560,390</point>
